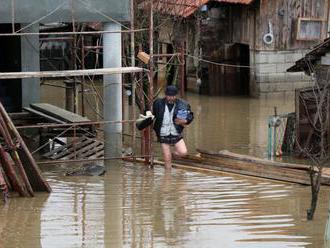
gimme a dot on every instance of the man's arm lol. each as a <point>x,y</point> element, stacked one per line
<point>180,122</point>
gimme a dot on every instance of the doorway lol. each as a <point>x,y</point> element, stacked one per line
<point>10,61</point>
<point>230,78</point>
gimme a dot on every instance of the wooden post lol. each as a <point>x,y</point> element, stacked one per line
<point>3,187</point>
<point>151,81</point>
<point>42,184</point>
<point>10,172</point>
<point>14,155</point>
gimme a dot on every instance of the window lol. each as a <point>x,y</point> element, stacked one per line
<point>309,29</point>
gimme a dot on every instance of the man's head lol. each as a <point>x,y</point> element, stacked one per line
<point>170,93</point>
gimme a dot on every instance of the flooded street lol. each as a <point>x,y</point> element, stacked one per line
<point>134,206</point>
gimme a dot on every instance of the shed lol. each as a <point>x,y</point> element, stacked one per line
<point>242,46</point>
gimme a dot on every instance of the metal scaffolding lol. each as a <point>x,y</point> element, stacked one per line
<point>78,43</point>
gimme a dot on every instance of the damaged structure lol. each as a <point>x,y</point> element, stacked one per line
<point>312,103</point>
<point>242,47</point>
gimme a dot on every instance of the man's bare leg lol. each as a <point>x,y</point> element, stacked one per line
<point>180,148</point>
<point>167,155</point>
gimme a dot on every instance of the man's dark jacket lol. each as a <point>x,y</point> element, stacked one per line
<point>159,109</point>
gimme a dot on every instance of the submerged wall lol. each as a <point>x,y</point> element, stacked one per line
<point>270,76</point>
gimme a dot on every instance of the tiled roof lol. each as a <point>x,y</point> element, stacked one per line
<point>185,8</point>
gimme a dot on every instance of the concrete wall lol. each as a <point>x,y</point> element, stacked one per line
<point>30,60</point>
<point>63,10</point>
<point>269,75</point>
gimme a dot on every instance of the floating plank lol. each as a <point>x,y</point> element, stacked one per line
<point>250,159</point>
<point>280,174</point>
<point>251,166</point>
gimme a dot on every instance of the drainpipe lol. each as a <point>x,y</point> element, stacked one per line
<point>112,110</point>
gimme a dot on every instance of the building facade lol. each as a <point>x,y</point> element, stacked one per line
<point>251,43</point>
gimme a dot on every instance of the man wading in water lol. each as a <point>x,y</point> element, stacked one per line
<point>171,116</point>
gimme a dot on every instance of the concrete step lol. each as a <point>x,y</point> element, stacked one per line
<point>325,60</point>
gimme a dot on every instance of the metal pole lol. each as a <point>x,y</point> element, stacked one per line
<point>95,33</point>
<point>83,77</point>
<point>182,67</point>
<point>151,78</point>
<point>133,75</point>
<point>112,55</point>
<point>275,132</point>
<point>13,15</point>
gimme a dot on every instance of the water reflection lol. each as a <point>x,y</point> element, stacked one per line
<point>20,224</point>
<point>134,206</point>
<point>73,216</point>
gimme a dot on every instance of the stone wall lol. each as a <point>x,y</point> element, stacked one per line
<point>270,76</point>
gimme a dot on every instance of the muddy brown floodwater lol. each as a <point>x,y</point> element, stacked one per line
<point>134,206</point>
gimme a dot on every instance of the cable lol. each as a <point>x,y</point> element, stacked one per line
<point>41,18</point>
<point>220,64</point>
<point>89,7</point>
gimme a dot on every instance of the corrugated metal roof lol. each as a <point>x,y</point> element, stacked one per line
<point>185,8</point>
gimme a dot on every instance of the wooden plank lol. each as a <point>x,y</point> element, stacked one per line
<point>47,117</point>
<point>74,146</point>
<point>251,159</point>
<point>99,154</point>
<point>81,152</point>
<point>94,151</point>
<point>237,166</point>
<point>260,174</point>
<point>58,113</point>
<point>59,149</point>
<point>70,73</point>
<point>253,167</point>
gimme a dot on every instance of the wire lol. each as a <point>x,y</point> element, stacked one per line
<point>41,18</point>
<point>39,148</point>
<point>89,7</point>
<point>220,64</point>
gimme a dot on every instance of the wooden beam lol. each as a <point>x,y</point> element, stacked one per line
<point>70,73</point>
